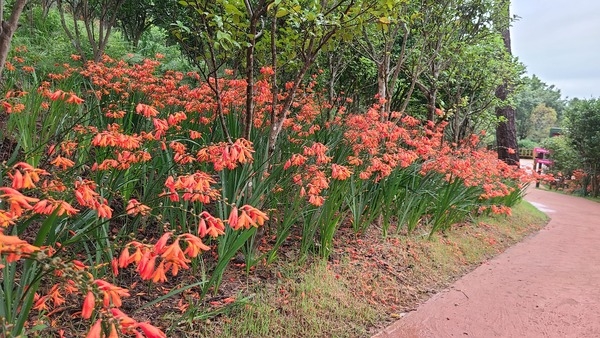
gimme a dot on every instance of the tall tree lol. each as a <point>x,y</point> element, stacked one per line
<point>134,18</point>
<point>8,28</point>
<point>506,131</point>
<point>467,86</point>
<point>98,17</point>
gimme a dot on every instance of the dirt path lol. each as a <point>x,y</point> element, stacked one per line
<point>545,286</point>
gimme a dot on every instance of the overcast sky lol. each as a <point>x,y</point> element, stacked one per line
<point>559,41</point>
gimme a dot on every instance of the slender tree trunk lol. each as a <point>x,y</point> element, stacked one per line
<point>8,28</point>
<point>506,132</point>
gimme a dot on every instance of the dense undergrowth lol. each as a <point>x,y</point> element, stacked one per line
<point>121,174</point>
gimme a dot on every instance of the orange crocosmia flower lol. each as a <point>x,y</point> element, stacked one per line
<point>114,265</point>
<point>174,254</point>
<point>244,221</point>
<point>111,293</point>
<point>17,180</point>
<point>17,201</point>
<point>48,206</point>
<point>6,219</point>
<point>136,208</point>
<point>194,245</point>
<point>255,214</point>
<point>137,255</point>
<point>18,107</point>
<point>159,274</point>
<point>88,305</point>
<point>147,265</point>
<point>15,247</point>
<point>26,176</point>
<point>125,321</point>
<point>195,135</point>
<point>202,229</point>
<point>146,110</point>
<point>233,218</point>
<point>66,208</point>
<point>56,296</point>
<point>150,331</point>
<point>267,71</point>
<point>162,242</point>
<point>85,192</point>
<point>160,124</point>
<point>74,99</point>
<point>62,162</point>
<point>243,149</point>
<point>40,302</point>
<point>295,160</point>
<point>215,226</point>
<point>96,330</point>
<point>316,200</point>
<point>113,331</point>
<point>103,210</point>
<point>59,94</point>
<point>339,172</point>
<point>7,107</point>
<point>43,207</point>
<point>124,258</point>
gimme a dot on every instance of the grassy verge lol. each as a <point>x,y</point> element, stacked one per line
<point>367,283</point>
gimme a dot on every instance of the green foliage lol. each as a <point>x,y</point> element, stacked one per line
<point>564,155</point>
<point>531,93</point>
<point>527,144</point>
<point>583,129</point>
<point>468,85</point>
<point>48,45</point>
<point>542,118</point>
<point>154,41</point>
<point>44,38</point>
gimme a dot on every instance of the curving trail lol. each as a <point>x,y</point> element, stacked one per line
<point>546,286</point>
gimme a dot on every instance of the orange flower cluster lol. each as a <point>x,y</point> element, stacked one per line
<point>14,248</point>
<point>135,208</point>
<point>476,167</point>
<point>312,177</point>
<point>86,195</point>
<point>195,187</point>
<point>25,176</point>
<point>210,225</point>
<point>124,160</point>
<point>127,325</point>
<point>17,202</point>
<point>248,217</point>
<point>111,299</point>
<point>61,95</point>
<point>223,155</point>
<point>171,257</point>
<point>112,137</point>
<point>387,145</point>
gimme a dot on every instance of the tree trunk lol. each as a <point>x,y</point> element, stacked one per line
<point>506,132</point>
<point>8,28</point>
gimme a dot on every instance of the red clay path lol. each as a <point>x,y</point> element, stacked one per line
<point>545,286</point>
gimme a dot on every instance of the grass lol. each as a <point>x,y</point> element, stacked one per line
<point>367,283</point>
